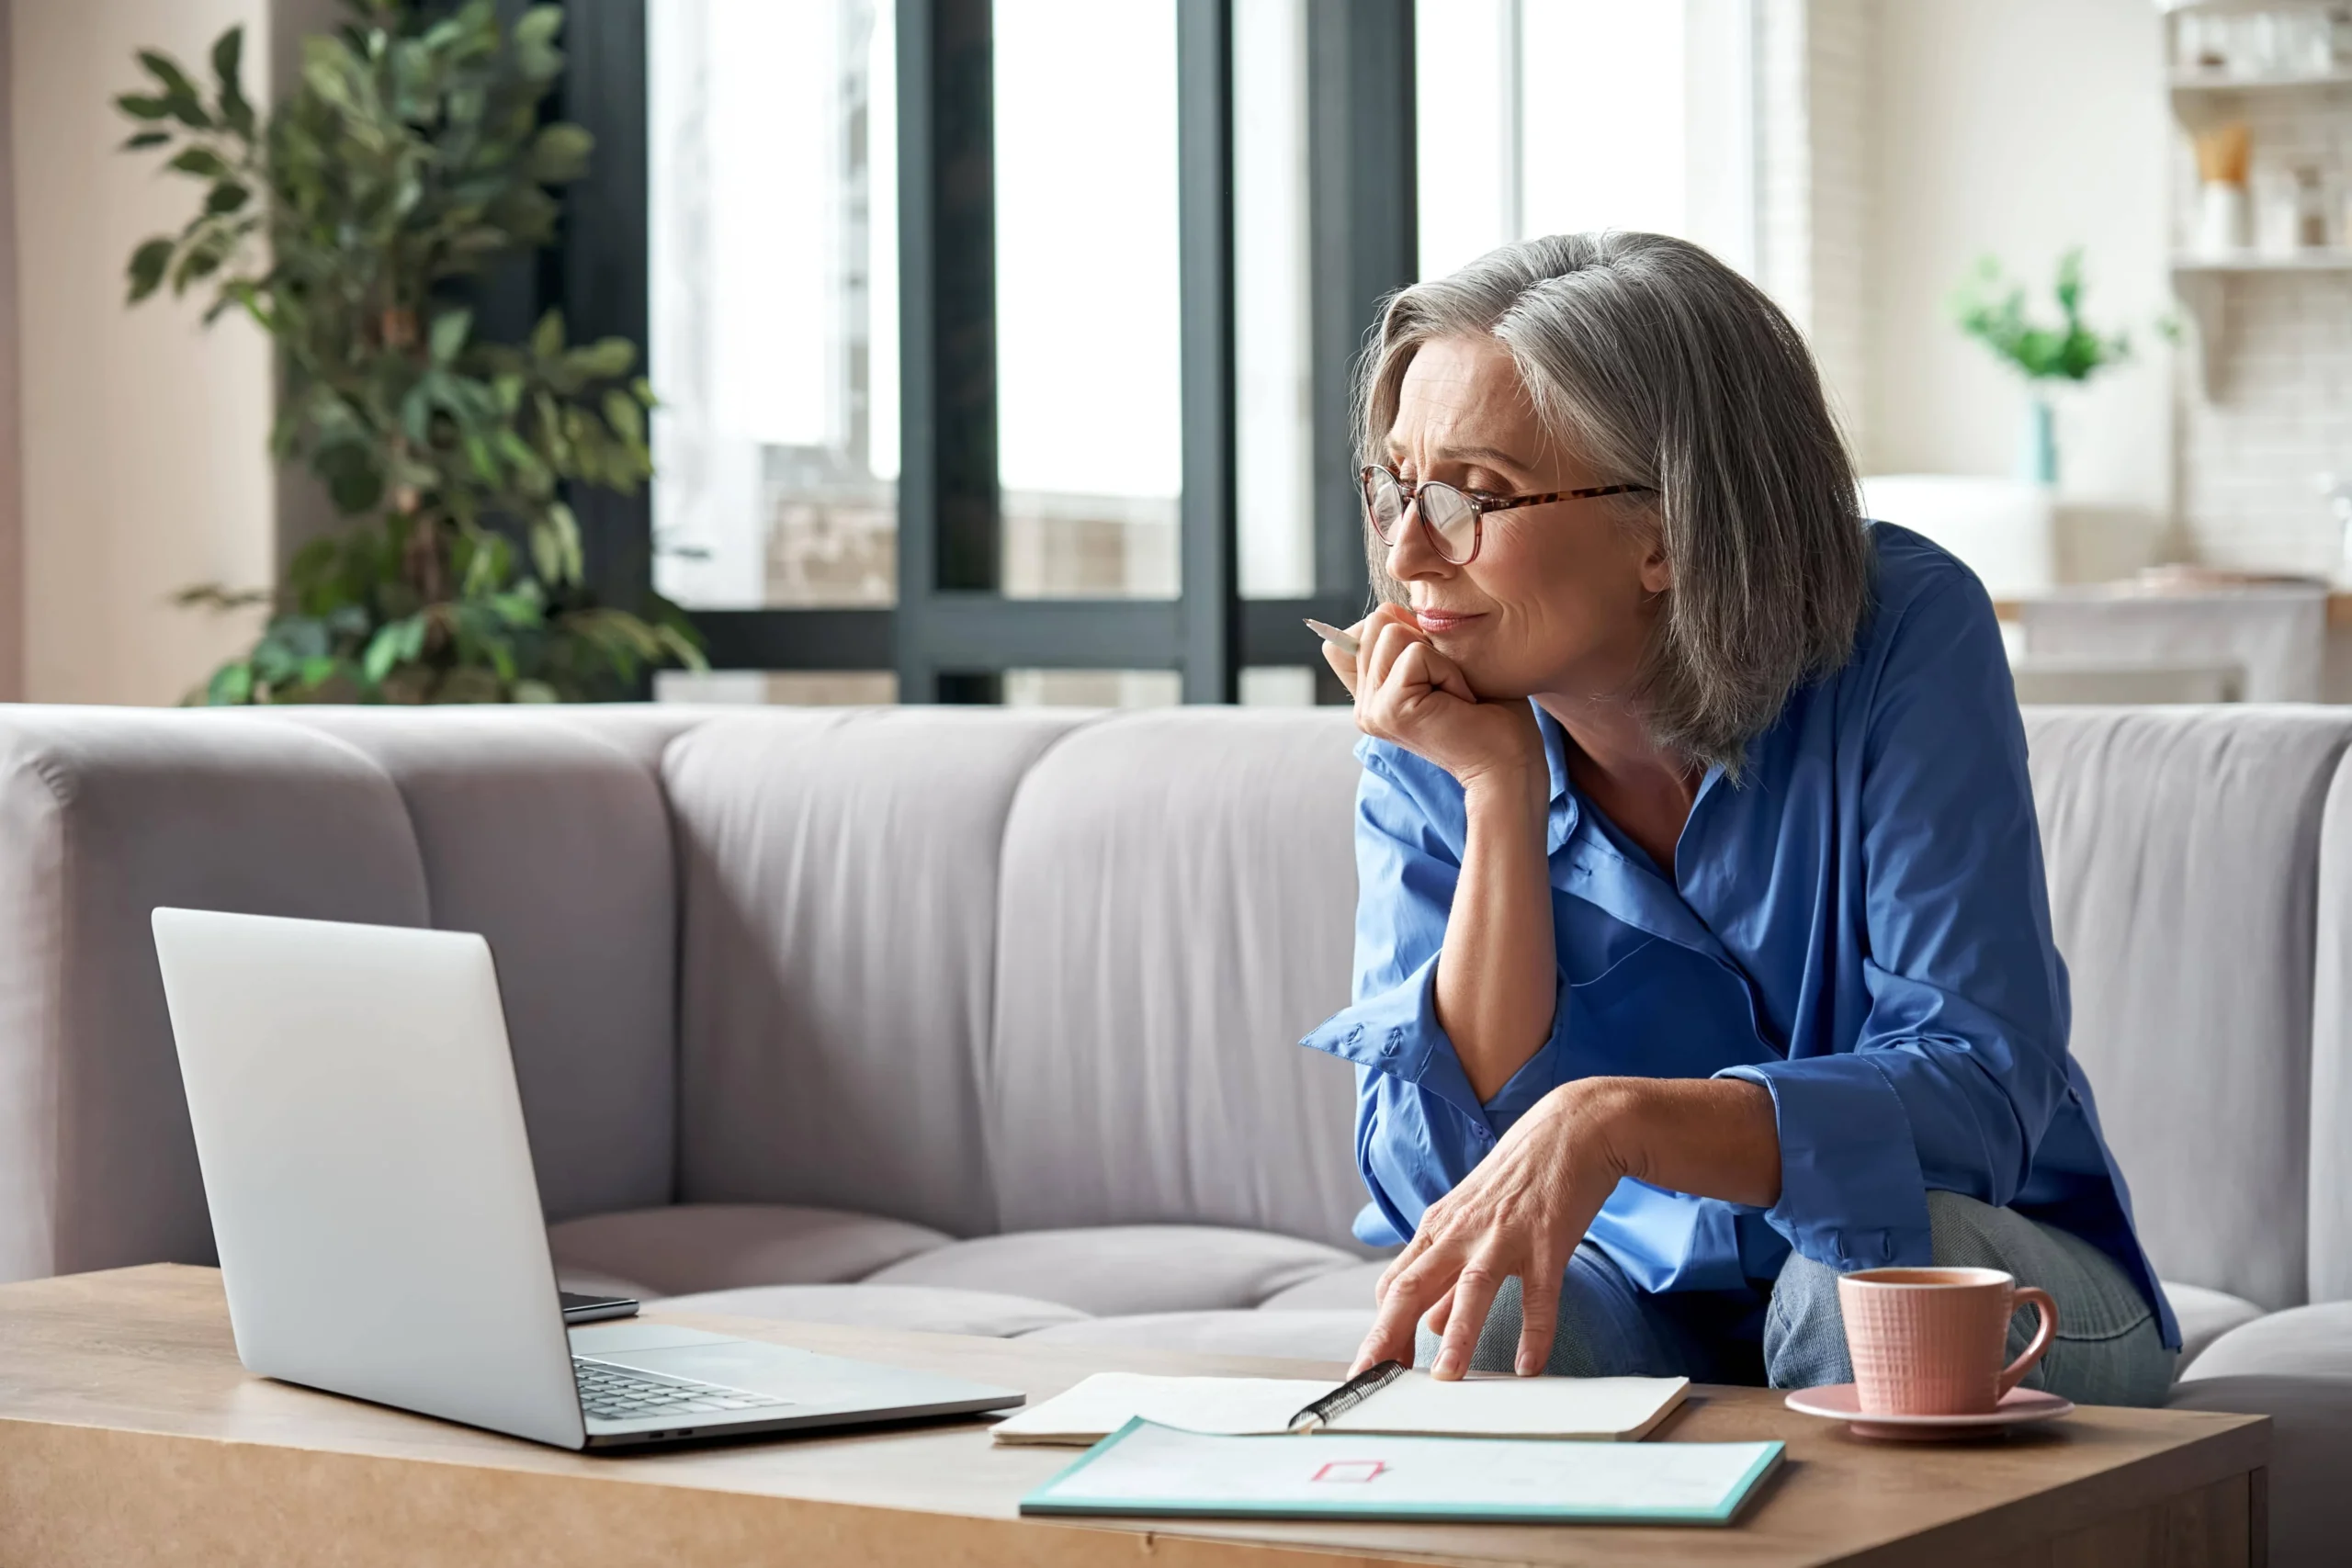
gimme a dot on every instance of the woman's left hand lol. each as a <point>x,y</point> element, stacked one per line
<point>1522,1211</point>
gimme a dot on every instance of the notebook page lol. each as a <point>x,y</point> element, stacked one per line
<point>1108,1401</point>
<point>1608,1408</point>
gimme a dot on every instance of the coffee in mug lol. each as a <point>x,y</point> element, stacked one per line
<point>1929,1341</point>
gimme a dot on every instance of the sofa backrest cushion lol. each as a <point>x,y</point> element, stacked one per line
<point>553,843</point>
<point>2182,846</point>
<point>104,815</point>
<point>838,886</point>
<point>1177,910</point>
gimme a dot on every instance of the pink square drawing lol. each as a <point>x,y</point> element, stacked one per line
<point>1350,1469</point>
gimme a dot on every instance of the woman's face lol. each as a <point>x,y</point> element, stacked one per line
<point>1560,598</point>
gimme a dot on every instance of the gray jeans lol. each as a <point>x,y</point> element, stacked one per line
<point>2108,1349</point>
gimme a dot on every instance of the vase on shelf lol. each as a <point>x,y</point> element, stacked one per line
<point>2038,444</point>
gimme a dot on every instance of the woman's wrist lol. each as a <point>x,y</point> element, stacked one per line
<point>1517,789</point>
<point>1709,1137</point>
<point>1606,1120</point>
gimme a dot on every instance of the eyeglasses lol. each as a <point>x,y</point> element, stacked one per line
<point>1455,519</point>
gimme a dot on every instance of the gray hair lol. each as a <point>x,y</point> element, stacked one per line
<point>1664,368</point>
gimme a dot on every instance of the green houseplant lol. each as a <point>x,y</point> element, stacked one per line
<point>1991,309</point>
<point>411,158</point>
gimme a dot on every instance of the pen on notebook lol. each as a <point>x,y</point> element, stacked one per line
<point>1333,636</point>
<point>1348,1395</point>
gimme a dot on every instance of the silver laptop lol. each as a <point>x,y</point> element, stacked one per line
<point>378,1218</point>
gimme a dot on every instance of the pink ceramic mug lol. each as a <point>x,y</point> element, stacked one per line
<point>1929,1341</point>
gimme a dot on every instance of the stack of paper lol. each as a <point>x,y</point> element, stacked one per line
<point>1605,1409</point>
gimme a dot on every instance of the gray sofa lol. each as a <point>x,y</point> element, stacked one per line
<point>984,1020</point>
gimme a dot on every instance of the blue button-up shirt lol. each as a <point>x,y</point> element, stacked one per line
<point>1859,924</point>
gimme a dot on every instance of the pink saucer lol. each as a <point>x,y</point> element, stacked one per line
<point>2018,1407</point>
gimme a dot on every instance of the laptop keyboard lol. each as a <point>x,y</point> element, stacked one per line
<point>608,1393</point>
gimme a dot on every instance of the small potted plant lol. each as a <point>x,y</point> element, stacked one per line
<point>412,158</point>
<point>1991,309</point>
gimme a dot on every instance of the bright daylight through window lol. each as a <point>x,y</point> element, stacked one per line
<point>772,246</point>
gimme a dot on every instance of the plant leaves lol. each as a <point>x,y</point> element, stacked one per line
<point>236,112</point>
<point>225,198</point>
<point>546,337</point>
<point>604,359</point>
<point>201,161</point>
<point>232,685</point>
<point>448,334</point>
<point>559,153</point>
<point>138,106</point>
<point>147,265</point>
<point>167,72</point>
<point>143,140</point>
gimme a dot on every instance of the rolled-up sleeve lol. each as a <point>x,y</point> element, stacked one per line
<point>1420,1126</point>
<point>1959,1064</point>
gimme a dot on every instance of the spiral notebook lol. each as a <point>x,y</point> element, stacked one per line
<point>1602,1409</point>
<point>1153,1471</point>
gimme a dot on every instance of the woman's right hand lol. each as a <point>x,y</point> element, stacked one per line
<point>1408,692</point>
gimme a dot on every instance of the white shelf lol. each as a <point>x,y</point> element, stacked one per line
<point>2192,81</point>
<point>2202,284</point>
<point>2173,7</point>
<point>2255,260</point>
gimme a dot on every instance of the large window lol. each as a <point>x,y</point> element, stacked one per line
<point>1002,346</point>
<point>1547,117</point>
<point>772,242</point>
<point>1089,445</point>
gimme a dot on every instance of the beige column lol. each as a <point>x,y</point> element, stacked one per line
<point>12,551</point>
<point>143,436</point>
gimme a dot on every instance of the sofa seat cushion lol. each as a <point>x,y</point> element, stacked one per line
<point>2205,1315</point>
<point>1332,1336</point>
<point>930,1308</point>
<point>1115,1270</point>
<point>713,1246</point>
<point>2305,1341</point>
<point>1342,1290</point>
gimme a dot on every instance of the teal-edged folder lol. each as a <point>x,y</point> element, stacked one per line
<point>1153,1471</point>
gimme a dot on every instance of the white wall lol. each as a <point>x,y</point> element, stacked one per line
<point>143,436</point>
<point>2018,127</point>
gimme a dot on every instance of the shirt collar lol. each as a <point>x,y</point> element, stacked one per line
<point>1598,873</point>
<point>1565,809</point>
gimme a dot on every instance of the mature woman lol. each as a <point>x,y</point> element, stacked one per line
<point>1702,951</point>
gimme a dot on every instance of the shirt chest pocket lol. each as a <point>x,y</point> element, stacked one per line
<point>1660,1012</point>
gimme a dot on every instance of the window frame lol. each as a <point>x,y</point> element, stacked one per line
<point>952,633</point>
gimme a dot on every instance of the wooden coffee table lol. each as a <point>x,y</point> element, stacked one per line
<point>129,1434</point>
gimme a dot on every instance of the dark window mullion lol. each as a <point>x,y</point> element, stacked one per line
<point>948,515</point>
<point>603,271</point>
<point>1362,239</point>
<point>1211,580</point>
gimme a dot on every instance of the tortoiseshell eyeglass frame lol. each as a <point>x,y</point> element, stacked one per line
<point>1479,503</point>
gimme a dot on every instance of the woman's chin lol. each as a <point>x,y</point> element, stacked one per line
<point>1495,686</point>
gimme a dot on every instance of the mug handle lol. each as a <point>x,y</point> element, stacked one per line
<point>2015,1371</point>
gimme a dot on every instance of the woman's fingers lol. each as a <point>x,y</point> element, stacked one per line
<point>1434,1320</point>
<point>1408,1296</point>
<point>1362,631</point>
<point>1422,665</point>
<point>1474,1293</point>
<point>1344,665</point>
<point>1539,1297</point>
<point>1389,640</point>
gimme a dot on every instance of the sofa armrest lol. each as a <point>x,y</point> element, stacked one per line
<point>104,815</point>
